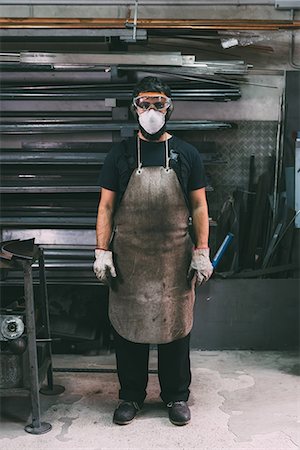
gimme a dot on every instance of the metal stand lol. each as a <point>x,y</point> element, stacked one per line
<point>36,427</point>
<point>50,389</point>
<point>36,374</point>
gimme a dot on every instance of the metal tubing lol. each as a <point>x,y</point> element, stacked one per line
<point>140,2</point>
<point>31,222</point>
<point>109,126</point>
<point>194,24</point>
<point>199,94</point>
<point>157,58</point>
<point>87,35</point>
<point>45,313</point>
<point>292,47</point>
<point>91,370</point>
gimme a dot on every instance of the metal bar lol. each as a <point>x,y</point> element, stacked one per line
<point>69,253</point>
<point>135,20</point>
<point>69,265</point>
<point>73,222</point>
<point>32,350</point>
<point>287,4</point>
<point>199,94</point>
<point>92,370</point>
<point>109,126</point>
<point>156,58</point>
<point>71,34</point>
<point>52,158</point>
<point>49,115</point>
<point>277,160</point>
<point>54,281</point>
<point>96,146</point>
<point>45,309</point>
<point>194,24</point>
<point>292,47</point>
<point>141,2</point>
<point>48,189</point>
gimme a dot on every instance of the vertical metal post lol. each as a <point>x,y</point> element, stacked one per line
<point>45,312</point>
<point>37,427</point>
<point>31,337</point>
<point>51,389</point>
<point>135,20</point>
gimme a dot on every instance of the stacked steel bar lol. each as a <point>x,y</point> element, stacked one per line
<point>194,24</point>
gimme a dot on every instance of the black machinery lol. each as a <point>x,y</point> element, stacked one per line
<point>26,356</point>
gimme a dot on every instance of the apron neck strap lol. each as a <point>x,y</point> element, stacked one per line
<point>139,154</point>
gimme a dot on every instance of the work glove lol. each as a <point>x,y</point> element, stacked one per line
<point>201,265</point>
<point>103,266</point>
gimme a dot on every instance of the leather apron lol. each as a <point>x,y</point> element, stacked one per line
<point>151,300</point>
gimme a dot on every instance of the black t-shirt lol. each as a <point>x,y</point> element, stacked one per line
<point>153,154</point>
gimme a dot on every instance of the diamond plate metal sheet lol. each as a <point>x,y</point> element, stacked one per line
<point>236,146</point>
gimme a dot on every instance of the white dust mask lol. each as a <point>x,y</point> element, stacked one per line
<point>152,121</point>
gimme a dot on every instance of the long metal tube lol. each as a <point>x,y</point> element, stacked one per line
<point>292,47</point>
<point>194,24</point>
<point>140,2</point>
<point>109,126</point>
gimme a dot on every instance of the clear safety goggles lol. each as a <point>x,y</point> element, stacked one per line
<point>159,102</point>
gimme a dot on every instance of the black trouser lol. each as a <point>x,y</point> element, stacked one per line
<point>173,369</point>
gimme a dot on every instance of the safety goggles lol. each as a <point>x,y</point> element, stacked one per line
<point>159,102</point>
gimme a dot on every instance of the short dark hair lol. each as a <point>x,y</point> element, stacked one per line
<point>151,84</point>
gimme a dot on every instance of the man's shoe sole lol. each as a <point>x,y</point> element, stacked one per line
<point>123,423</point>
<point>179,423</point>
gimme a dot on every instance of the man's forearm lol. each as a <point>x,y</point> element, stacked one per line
<point>104,227</point>
<point>201,226</point>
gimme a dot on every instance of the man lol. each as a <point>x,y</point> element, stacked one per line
<point>151,185</point>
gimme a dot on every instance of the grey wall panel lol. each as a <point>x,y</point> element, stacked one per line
<point>247,314</point>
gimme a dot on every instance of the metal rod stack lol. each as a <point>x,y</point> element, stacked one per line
<point>148,24</point>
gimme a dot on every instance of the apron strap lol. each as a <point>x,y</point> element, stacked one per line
<point>167,155</point>
<point>139,155</point>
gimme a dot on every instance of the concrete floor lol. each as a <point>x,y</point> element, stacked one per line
<point>239,399</point>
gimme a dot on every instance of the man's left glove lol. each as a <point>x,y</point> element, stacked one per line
<point>201,264</point>
<point>103,266</point>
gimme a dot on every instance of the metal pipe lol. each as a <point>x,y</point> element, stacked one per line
<point>277,161</point>
<point>91,370</point>
<point>292,47</point>
<point>195,24</point>
<point>140,2</point>
<point>203,125</point>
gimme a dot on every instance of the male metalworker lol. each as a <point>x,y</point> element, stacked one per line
<point>151,185</point>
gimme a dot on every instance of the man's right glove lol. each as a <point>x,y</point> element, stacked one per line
<point>103,266</point>
<point>201,264</point>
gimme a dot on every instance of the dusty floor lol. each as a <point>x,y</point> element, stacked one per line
<point>240,400</point>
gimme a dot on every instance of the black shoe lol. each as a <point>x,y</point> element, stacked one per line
<point>179,412</point>
<point>125,412</point>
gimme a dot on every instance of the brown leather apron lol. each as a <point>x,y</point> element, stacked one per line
<point>151,300</point>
